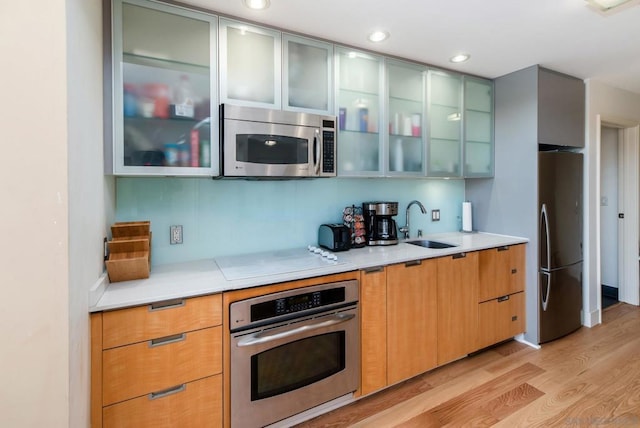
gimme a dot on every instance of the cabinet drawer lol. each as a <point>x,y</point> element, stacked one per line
<point>135,370</point>
<point>500,319</point>
<point>194,404</point>
<point>126,326</point>
<point>502,272</point>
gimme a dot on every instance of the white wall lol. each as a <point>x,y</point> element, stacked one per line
<point>609,206</point>
<point>55,205</point>
<point>615,106</point>
<point>34,265</point>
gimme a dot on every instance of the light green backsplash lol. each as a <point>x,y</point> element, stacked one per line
<point>225,217</point>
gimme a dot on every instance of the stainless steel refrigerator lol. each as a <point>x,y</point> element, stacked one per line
<point>560,243</point>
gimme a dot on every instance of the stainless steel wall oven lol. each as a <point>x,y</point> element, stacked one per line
<point>293,350</point>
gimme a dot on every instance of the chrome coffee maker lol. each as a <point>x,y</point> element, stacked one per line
<point>379,225</point>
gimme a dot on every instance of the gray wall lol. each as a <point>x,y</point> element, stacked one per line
<point>508,203</point>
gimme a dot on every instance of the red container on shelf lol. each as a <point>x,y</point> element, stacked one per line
<point>159,93</point>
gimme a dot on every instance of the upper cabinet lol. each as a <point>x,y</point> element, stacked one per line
<point>460,126</point>
<point>561,109</point>
<point>406,91</point>
<point>445,124</point>
<point>172,67</point>
<point>250,65</point>
<point>164,79</point>
<point>478,127</point>
<point>359,100</point>
<point>307,75</point>
<point>260,67</point>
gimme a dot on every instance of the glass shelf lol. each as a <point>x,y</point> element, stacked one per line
<point>403,99</point>
<point>166,64</point>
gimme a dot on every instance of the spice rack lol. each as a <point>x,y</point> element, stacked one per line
<point>129,251</point>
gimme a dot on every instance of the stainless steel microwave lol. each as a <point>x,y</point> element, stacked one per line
<point>257,142</point>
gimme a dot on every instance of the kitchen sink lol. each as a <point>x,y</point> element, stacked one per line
<point>431,244</point>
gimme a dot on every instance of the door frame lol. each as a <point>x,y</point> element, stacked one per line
<point>629,228</point>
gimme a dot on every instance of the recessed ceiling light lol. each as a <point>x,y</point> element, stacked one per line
<point>378,36</point>
<point>460,58</point>
<point>256,4</point>
<point>606,5</point>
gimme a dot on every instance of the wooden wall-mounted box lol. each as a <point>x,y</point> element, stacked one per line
<point>129,251</point>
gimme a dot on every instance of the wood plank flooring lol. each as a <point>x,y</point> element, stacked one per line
<point>590,378</point>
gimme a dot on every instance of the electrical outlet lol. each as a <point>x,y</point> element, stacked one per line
<point>435,215</point>
<point>105,249</point>
<point>175,234</point>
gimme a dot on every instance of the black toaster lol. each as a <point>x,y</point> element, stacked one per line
<point>334,237</point>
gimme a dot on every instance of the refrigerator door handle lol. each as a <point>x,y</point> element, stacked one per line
<point>544,226</point>
<point>545,296</point>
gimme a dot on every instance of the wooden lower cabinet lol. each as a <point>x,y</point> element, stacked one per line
<point>373,329</point>
<point>398,318</point>
<point>411,319</point>
<point>160,319</point>
<point>152,366</point>
<point>502,271</point>
<point>158,365</point>
<point>194,404</point>
<point>457,306</point>
<point>500,319</point>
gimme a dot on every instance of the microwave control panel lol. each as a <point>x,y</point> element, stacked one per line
<point>328,147</point>
<point>328,152</point>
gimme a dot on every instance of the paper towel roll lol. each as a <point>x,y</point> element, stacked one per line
<point>466,217</point>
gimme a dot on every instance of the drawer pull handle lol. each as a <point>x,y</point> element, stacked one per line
<point>503,298</point>
<point>459,256</point>
<point>374,269</point>
<point>514,318</point>
<point>167,304</point>
<point>503,248</point>
<point>168,391</point>
<point>514,271</point>
<point>413,263</point>
<point>167,340</point>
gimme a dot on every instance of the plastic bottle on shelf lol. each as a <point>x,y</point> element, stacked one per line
<point>183,105</point>
<point>130,103</point>
<point>398,158</point>
<point>200,144</point>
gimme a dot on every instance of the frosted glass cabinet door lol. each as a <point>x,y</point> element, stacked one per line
<point>250,65</point>
<point>163,90</point>
<point>478,127</point>
<point>359,86</point>
<point>405,113</point>
<point>445,124</point>
<point>307,75</point>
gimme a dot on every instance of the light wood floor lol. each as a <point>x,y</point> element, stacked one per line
<point>590,378</point>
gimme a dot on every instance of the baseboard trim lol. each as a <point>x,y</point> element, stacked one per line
<point>520,338</point>
<point>592,318</point>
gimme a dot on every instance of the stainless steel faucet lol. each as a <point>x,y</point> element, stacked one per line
<point>405,229</point>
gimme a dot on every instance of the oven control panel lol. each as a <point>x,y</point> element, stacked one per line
<point>296,303</point>
<point>299,302</point>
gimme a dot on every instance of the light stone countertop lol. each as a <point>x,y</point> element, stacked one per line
<point>196,278</point>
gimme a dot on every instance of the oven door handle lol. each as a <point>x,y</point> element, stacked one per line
<point>267,336</point>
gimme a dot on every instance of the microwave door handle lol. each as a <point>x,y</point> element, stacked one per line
<point>263,337</point>
<point>316,153</point>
